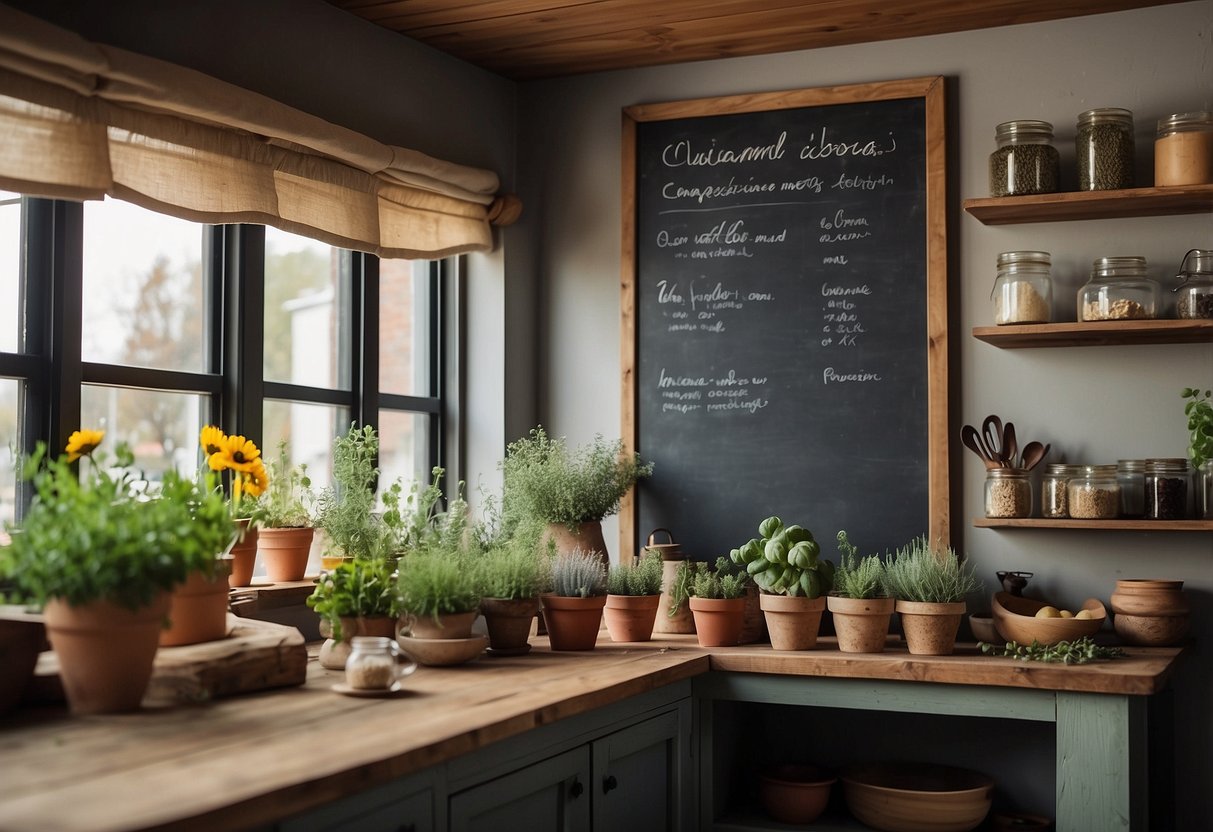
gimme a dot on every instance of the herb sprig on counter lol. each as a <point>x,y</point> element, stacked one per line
<point>1078,651</point>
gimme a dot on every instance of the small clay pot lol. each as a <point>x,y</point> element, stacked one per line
<point>573,623</point>
<point>862,624</point>
<point>631,618</point>
<point>450,625</point>
<point>1151,613</point>
<point>718,621</point>
<point>930,629</point>
<point>509,622</point>
<point>285,552</point>
<point>792,620</point>
<point>244,555</point>
<point>795,793</point>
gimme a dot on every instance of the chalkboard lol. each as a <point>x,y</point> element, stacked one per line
<point>785,315</point>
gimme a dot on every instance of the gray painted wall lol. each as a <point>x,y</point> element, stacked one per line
<point>1092,404</point>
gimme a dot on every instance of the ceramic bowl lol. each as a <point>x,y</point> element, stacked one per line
<point>1014,618</point>
<point>983,628</point>
<point>793,793</point>
<point>441,652</point>
<point>917,797</point>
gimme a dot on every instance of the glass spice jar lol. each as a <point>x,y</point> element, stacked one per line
<point>1094,493</point>
<point>1194,294</point>
<point>1008,493</point>
<point>1023,288</point>
<point>1168,482</point>
<point>1054,503</point>
<point>1026,161</point>
<point>1131,476</point>
<point>1183,150</point>
<point>375,663</point>
<point>1119,289</point>
<point>1103,145</point>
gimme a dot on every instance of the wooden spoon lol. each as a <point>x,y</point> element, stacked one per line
<point>972,441</point>
<point>991,438</point>
<point>1033,453</point>
<point>1010,447</point>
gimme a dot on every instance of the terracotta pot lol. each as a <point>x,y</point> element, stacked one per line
<point>1150,612</point>
<point>244,555</point>
<point>718,621</point>
<point>753,622</point>
<point>334,652</point>
<point>862,624</point>
<point>795,793</point>
<point>930,629</point>
<point>573,623</point>
<point>448,625</point>
<point>198,608</point>
<point>631,617</point>
<point>584,536</point>
<point>509,622</point>
<point>792,621</point>
<point>21,640</point>
<point>105,652</point>
<point>682,621</point>
<point>285,553</point>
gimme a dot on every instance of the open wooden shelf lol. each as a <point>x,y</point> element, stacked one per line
<point>1092,205</point>
<point>1102,525</point>
<point>1096,333</point>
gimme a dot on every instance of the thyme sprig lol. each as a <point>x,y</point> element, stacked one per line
<point>1078,651</point>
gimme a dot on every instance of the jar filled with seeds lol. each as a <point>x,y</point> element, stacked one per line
<point>1194,294</point>
<point>1008,493</point>
<point>1094,493</point>
<point>374,663</point>
<point>1168,484</point>
<point>1183,150</point>
<point>1131,476</point>
<point>1104,148</point>
<point>1023,289</point>
<point>1120,289</point>
<point>1054,502</point>
<point>1026,161</point>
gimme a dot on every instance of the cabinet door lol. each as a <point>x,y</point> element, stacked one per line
<point>387,809</point>
<point>640,776</point>
<point>552,794</point>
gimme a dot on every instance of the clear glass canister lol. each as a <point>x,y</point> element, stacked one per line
<point>1054,502</point>
<point>1008,493</point>
<point>1168,483</point>
<point>1103,144</point>
<point>1183,150</point>
<point>1023,288</point>
<point>1094,493</point>
<point>1131,476</point>
<point>376,663</point>
<point>1194,294</point>
<point>1120,289</point>
<point>1026,161</point>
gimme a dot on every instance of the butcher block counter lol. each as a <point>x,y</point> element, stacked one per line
<point>283,756</point>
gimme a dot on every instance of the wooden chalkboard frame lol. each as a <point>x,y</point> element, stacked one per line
<point>931,90</point>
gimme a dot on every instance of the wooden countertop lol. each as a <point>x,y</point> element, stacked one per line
<point>253,759</point>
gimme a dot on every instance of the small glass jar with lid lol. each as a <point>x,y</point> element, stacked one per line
<point>376,663</point>
<point>1183,150</point>
<point>1120,289</point>
<point>1093,493</point>
<point>1023,288</point>
<point>1168,482</point>
<point>1008,493</point>
<point>1194,294</point>
<point>1103,144</point>
<point>1026,161</point>
<point>1054,501</point>
<point>1131,475</point>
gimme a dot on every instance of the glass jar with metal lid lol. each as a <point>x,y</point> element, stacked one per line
<point>1103,145</point>
<point>1008,493</point>
<point>1023,288</point>
<point>1093,493</point>
<point>1183,150</point>
<point>1168,483</point>
<point>1054,501</point>
<point>1131,475</point>
<point>1026,161</point>
<point>1194,294</point>
<point>1119,289</point>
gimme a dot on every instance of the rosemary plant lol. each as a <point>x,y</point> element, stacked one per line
<point>857,577</point>
<point>578,575</point>
<point>640,578</point>
<point>918,572</point>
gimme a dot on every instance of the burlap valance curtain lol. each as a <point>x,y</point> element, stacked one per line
<point>80,120</point>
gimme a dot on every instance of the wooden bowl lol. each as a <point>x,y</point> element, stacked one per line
<point>917,797</point>
<point>442,652</point>
<point>1014,618</point>
<point>794,793</point>
<point>983,628</point>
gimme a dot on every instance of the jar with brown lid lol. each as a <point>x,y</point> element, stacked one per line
<point>1183,150</point>
<point>1194,294</point>
<point>1026,161</point>
<point>1119,289</point>
<point>1105,149</point>
<point>1023,288</point>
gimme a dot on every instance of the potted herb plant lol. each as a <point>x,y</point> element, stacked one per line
<point>930,586</point>
<point>573,609</point>
<point>716,598</point>
<point>859,602</point>
<point>793,581</point>
<point>286,520</point>
<point>570,490</point>
<point>346,512</point>
<point>1199,412</point>
<point>102,559</point>
<point>633,592</point>
<point>355,598</point>
<point>512,573</point>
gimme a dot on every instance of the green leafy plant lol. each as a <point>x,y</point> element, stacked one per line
<point>643,577</point>
<point>784,560</point>
<point>578,575</point>
<point>695,578</point>
<point>545,479</point>
<point>288,495</point>
<point>920,572</point>
<point>346,512</point>
<point>858,577</point>
<point>109,537</point>
<point>512,569</point>
<point>437,582</point>
<point>1199,410</point>
<point>1078,651</point>
<point>357,588</point>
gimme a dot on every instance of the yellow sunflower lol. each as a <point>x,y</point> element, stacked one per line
<point>236,454</point>
<point>254,481</point>
<point>211,439</point>
<point>82,443</point>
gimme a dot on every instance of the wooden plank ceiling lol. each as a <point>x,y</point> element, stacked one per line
<point>528,39</point>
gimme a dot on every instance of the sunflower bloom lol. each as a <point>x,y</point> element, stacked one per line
<point>254,481</point>
<point>237,454</point>
<point>82,443</point>
<point>211,439</point>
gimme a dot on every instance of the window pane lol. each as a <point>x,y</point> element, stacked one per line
<point>143,289</point>
<point>161,428</point>
<point>8,449</point>
<point>404,327</point>
<point>404,448</point>
<point>307,312</point>
<point>10,269</point>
